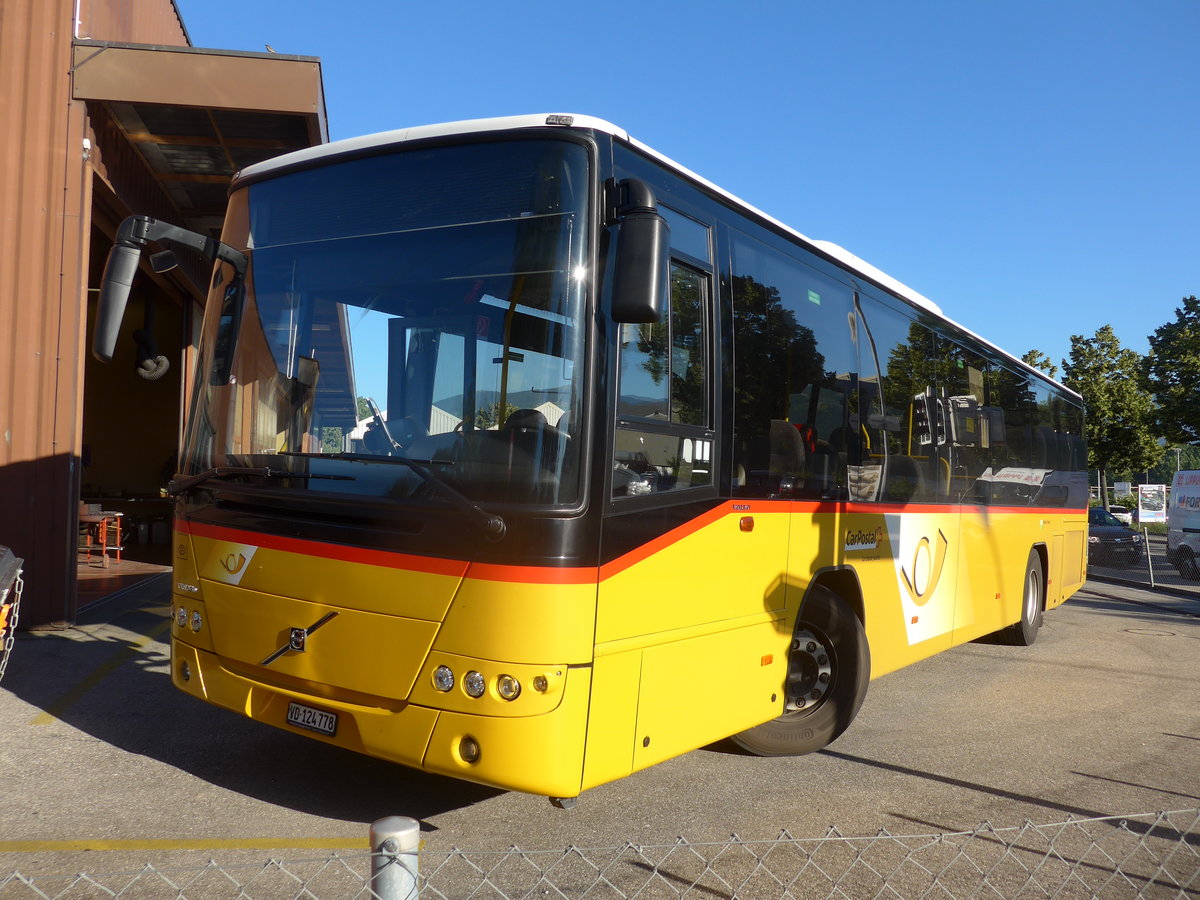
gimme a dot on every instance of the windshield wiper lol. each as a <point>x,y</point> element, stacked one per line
<point>491,524</point>
<point>181,484</point>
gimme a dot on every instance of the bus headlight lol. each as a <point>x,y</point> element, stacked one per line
<point>197,622</point>
<point>474,684</point>
<point>443,678</point>
<point>181,617</point>
<point>508,687</point>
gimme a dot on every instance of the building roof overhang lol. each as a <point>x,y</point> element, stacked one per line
<point>196,117</point>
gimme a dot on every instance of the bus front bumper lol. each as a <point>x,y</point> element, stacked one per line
<point>540,754</point>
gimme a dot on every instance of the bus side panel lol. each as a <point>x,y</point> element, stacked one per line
<point>991,577</point>
<point>612,719</point>
<point>906,562</point>
<point>1074,559</point>
<point>705,688</point>
<point>713,570</point>
<point>691,638</point>
<point>997,545</point>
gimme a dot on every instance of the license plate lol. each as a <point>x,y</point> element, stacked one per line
<point>313,719</point>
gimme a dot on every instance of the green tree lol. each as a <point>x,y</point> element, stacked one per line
<point>331,439</point>
<point>493,415</point>
<point>1175,457</point>
<point>1173,372</point>
<point>1120,412</point>
<point>1040,361</point>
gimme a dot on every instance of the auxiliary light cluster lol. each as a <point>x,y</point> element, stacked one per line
<point>181,619</point>
<point>475,684</point>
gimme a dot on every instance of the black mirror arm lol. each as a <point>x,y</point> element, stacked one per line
<point>137,231</point>
<point>122,266</point>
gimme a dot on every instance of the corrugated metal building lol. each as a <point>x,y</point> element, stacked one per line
<point>110,111</point>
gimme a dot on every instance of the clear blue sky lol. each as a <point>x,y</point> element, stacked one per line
<point>1033,166</point>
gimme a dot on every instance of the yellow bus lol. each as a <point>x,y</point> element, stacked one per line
<point>521,454</point>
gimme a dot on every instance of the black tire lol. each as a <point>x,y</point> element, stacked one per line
<point>1186,565</point>
<point>1033,602</point>
<point>829,667</point>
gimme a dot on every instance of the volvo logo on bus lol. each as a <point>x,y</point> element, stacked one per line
<point>298,639</point>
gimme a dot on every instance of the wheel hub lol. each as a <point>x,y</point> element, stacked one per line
<point>810,671</point>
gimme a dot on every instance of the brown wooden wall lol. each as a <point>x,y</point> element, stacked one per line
<point>69,172</point>
<point>44,199</point>
<point>45,225</point>
<point>132,21</point>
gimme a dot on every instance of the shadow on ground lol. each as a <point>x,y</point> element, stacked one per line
<point>108,677</point>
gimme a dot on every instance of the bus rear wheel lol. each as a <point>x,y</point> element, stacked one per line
<point>1033,597</point>
<point>829,667</point>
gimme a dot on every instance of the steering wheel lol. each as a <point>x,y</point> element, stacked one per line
<point>377,421</point>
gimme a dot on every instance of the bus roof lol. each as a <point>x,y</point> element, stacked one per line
<point>366,143</point>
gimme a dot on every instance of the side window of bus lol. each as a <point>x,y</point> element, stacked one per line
<point>1012,391</point>
<point>908,431</point>
<point>797,429</point>
<point>664,438</point>
<point>1059,450</point>
<point>974,423</point>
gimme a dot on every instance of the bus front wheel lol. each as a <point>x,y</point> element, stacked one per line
<point>829,666</point>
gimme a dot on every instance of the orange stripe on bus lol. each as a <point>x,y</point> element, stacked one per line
<point>573,574</point>
<point>645,551</point>
<point>343,552</point>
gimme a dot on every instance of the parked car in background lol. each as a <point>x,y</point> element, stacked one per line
<point>1122,514</point>
<point>1110,542</point>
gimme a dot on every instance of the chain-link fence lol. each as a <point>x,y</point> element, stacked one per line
<point>1141,557</point>
<point>1152,856</point>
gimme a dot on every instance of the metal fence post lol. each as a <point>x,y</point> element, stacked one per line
<point>394,844</point>
<point>1149,555</point>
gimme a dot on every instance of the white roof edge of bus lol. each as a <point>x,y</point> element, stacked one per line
<point>424,132</point>
<point>505,123</point>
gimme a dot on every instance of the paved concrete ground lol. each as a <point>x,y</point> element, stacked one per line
<point>105,764</point>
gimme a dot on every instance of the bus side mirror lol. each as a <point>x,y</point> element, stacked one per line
<point>122,265</point>
<point>643,240</point>
<point>119,272</point>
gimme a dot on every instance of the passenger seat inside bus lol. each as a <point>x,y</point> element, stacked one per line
<point>903,481</point>
<point>787,459</point>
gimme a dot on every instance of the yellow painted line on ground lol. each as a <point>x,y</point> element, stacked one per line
<point>126,653</point>
<point>361,843</point>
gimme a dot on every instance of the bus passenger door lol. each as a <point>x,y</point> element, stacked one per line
<point>690,588</point>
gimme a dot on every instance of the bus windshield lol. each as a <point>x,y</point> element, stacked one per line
<point>405,318</point>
